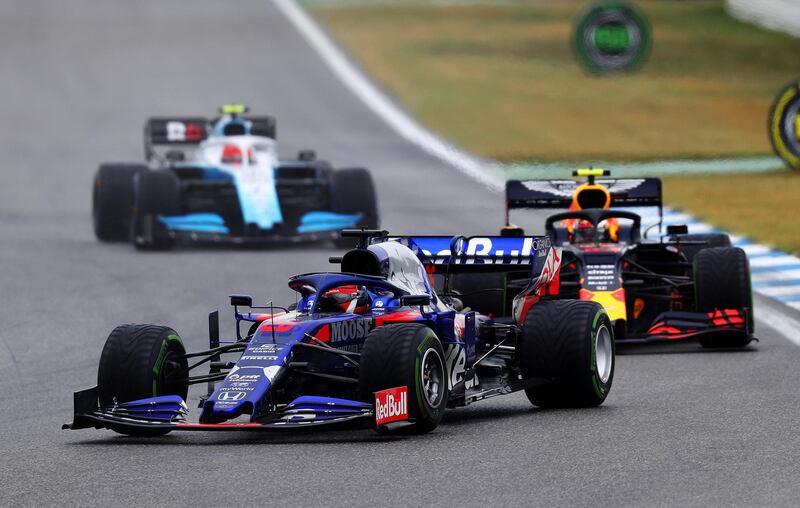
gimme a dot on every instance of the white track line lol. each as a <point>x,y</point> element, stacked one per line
<point>780,322</point>
<point>381,105</point>
<point>783,275</point>
<point>775,261</point>
<point>409,129</point>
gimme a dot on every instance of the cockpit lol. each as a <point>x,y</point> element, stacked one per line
<point>239,151</point>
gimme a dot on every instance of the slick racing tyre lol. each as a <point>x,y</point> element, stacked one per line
<point>141,361</point>
<point>722,281</point>
<point>711,240</point>
<point>155,193</point>
<point>353,192</point>
<point>112,200</point>
<point>784,125</point>
<point>407,355</point>
<point>566,354</point>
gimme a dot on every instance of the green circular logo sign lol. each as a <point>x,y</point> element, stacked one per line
<point>611,37</point>
<point>784,125</point>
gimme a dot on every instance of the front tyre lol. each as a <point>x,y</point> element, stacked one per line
<point>155,193</point>
<point>408,355</point>
<point>141,361</point>
<point>112,200</point>
<point>566,354</point>
<point>722,281</point>
<point>711,240</point>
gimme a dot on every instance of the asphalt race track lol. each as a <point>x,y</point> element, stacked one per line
<point>682,426</point>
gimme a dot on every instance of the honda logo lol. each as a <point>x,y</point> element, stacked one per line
<point>231,396</point>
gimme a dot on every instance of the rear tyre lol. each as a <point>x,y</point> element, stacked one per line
<point>352,193</point>
<point>722,281</point>
<point>112,200</point>
<point>141,361</point>
<point>712,240</point>
<point>407,355</point>
<point>155,193</point>
<point>566,354</point>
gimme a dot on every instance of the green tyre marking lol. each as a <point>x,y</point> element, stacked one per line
<point>593,359</point>
<point>418,369</point>
<point>161,354</point>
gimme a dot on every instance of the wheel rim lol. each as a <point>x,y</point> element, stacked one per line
<point>432,377</point>
<point>603,353</point>
<point>171,374</point>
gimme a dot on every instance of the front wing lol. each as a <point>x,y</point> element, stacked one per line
<point>677,325</point>
<point>210,228</point>
<point>168,413</point>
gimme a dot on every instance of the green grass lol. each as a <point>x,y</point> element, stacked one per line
<point>501,80</point>
<point>760,206</point>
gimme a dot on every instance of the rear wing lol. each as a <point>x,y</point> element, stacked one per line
<point>187,131</point>
<point>625,192</point>
<point>484,251</point>
<point>180,131</point>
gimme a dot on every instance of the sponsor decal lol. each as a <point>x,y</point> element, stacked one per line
<point>601,277</point>
<point>391,405</point>
<point>250,378</point>
<point>179,131</point>
<point>484,250</point>
<point>456,360</point>
<point>503,250</point>
<point>247,387</point>
<point>611,37</point>
<point>265,348</point>
<point>231,396</point>
<point>259,357</point>
<point>552,265</point>
<point>350,329</point>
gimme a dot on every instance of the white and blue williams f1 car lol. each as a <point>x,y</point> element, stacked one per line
<point>221,181</point>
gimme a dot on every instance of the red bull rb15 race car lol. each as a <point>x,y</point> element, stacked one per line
<point>675,287</point>
<point>373,343</point>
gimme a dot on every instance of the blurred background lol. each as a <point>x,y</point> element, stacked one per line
<point>502,80</point>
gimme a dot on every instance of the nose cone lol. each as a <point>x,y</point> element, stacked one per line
<point>246,384</point>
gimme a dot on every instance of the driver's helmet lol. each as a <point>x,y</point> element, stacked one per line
<point>583,232</point>
<point>350,299</point>
<point>231,154</point>
<point>590,195</point>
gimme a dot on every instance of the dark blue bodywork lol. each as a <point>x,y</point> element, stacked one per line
<point>287,357</point>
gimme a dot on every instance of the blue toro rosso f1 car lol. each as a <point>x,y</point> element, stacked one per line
<point>374,343</point>
<point>220,181</point>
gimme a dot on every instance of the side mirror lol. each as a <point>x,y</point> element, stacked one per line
<point>241,300</point>
<point>410,300</point>
<point>677,229</point>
